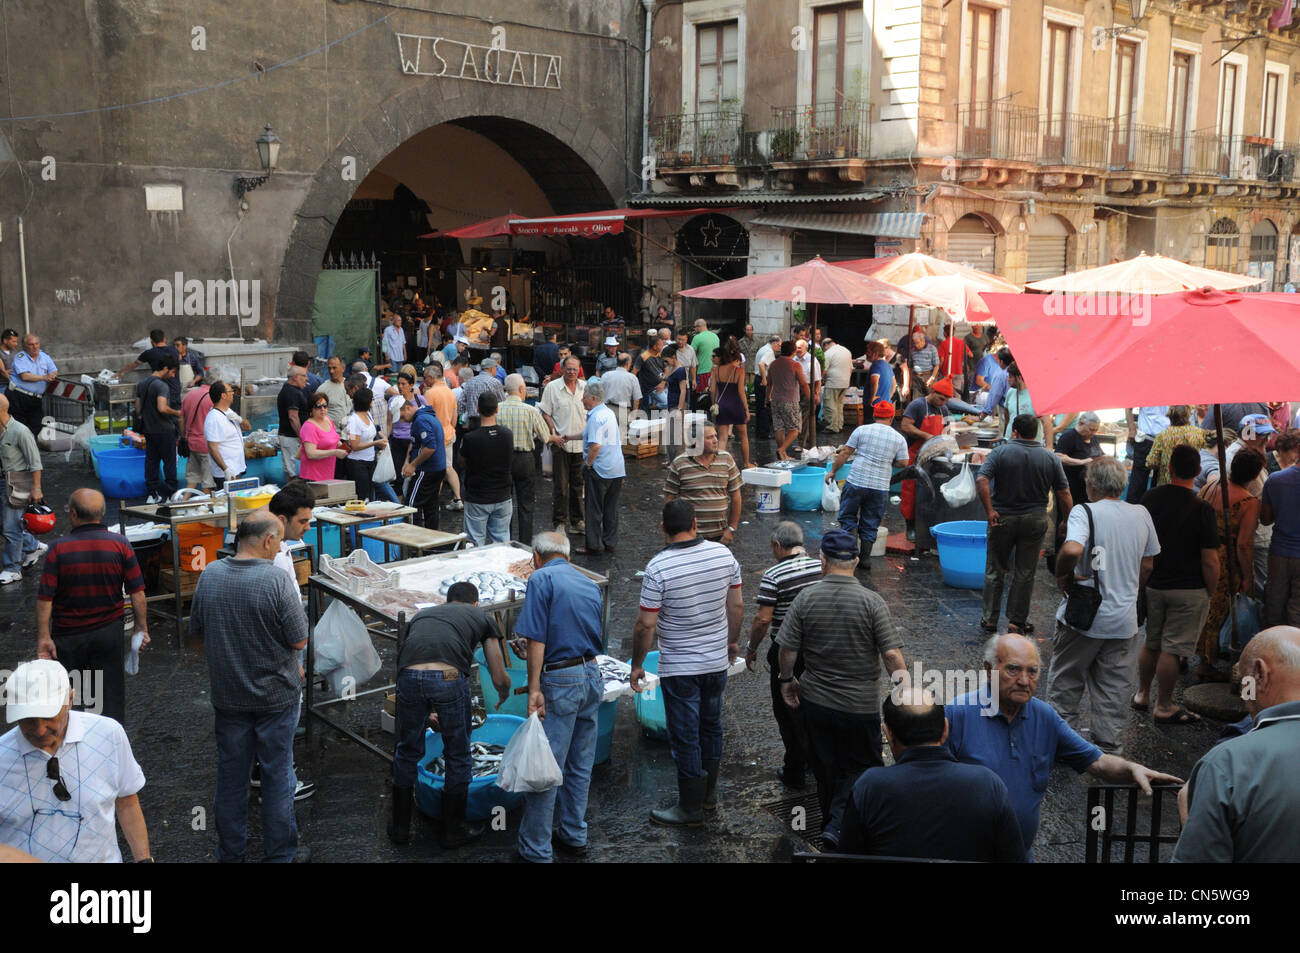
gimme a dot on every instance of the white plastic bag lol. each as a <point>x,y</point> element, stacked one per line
<point>81,436</point>
<point>547,460</point>
<point>831,497</point>
<point>528,765</point>
<point>960,490</point>
<point>385,472</point>
<point>344,651</point>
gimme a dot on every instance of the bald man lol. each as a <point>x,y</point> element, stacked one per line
<point>1025,736</point>
<point>79,606</point>
<point>1242,804</point>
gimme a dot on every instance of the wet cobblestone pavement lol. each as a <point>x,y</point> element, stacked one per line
<point>169,718</point>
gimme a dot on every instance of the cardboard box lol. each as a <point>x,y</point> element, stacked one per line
<point>189,580</point>
<point>390,703</point>
<point>332,491</point>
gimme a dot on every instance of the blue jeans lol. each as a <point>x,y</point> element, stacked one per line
<point>18,542</point>
<point>693,706</point>
<point>269,735</point>
<point>488,522</point>
<point>324,346</point>
<point>418,693</point>
<point>1139,476</point>
<point>385,491</point>
<point>861,511</point>
<point>572,700</point>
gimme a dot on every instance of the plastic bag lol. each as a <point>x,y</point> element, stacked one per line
<point>344,651</point>
<point>385,472</point>
<point>1248,623</point>
<point>960,490</point>
<point>547,460</point>
<point>81,436</point>
<point>831,497</point>
<point>528,766</point>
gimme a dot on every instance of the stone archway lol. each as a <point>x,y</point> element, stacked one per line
<point>569,157</point>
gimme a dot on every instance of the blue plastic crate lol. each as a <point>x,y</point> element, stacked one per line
<point>484,795</point>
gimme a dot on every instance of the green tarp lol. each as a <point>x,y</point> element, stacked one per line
<point>345,309</point>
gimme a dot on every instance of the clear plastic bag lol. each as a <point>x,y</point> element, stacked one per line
<point>960,490</point>
<point>344,652</point>
<point>528,765</point>
<point>831,497</point>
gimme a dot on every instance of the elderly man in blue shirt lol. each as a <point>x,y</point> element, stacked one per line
<point>602,469</point>
<point>1023,737</point>
<point>561,619</point>
<point>32,373</point>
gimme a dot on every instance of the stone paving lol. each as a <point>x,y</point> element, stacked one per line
<point>169,718</point>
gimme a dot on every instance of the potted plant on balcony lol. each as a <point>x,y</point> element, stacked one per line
<point>785,142</point>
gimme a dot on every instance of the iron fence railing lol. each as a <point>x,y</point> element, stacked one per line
<point>1072,139</point>
<point>997,131</point>
<point>839,130</point>
<point>718,137</point>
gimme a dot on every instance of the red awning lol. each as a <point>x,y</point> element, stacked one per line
<point>581,225</point>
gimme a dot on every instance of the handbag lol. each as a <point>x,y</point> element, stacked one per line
<point>1082,602</point>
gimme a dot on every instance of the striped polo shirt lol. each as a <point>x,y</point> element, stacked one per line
<point>708,489</point>
<point>782,582</point>
<point>84,575</point>
<point>687,584</point>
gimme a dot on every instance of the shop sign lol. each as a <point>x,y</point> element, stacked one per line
<point>443,58</point>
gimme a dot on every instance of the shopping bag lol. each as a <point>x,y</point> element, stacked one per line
<point>344,652</point>
<point>1248,623</point>
<point>831,497</point>
<point>547,460</point>
<point>960,490</point>
<point>385,472</point>
<point>528,766</point>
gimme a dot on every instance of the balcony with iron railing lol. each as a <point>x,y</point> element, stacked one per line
<point>827,131</point>
<point>706,139</point>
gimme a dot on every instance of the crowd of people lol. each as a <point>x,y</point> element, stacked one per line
<point>1148,557</point>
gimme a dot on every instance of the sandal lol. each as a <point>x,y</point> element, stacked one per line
<point>1181,716</point>
<point>1133,702</point>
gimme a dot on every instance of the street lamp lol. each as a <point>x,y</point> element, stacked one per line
<point>268,152</point>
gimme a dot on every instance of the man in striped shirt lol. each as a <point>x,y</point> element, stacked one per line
<point>876,449</point>
<point>710,482</point>
<point>79,604</point>
<point>795,570</point>
<point>526,426</point>
<point>844,631</point>
<point>691,599</point>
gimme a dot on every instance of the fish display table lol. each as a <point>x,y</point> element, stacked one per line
<point>413,540</point>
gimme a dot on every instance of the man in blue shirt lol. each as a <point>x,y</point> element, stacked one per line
<point>428,465</point>
<point>995,376</point>
<point>927,804</point>
<point>561,619</point>
<point>33,371</point>
<point>1024,737</point>
<point>603,469</point>
<point>546,355</point>
<point>1280,508</point>
<point>1142,432</point>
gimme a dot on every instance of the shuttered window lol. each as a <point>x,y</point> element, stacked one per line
<point>1047,245</point>
<point>971,242</point>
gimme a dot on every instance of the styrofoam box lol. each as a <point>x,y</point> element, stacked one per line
<point>760,476</point>
<point>387,723</point>
<point>638,428</point>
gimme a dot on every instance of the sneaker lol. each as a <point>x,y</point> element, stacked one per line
<point>455,506</point>
<point>32,558</point>
<point>152,499</point>
<point>304,790</point>
<point>578,529</point>
<point>10,576</point>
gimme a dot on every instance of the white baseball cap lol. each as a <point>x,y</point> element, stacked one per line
<point>37,689</point>
<point>611,341</point>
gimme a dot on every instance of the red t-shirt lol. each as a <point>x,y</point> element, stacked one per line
<point>952,355</point>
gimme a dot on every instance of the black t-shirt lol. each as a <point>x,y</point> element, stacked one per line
<point>447,633</point>
<point>1185,525</point>
<point>292,398</point>
<point>154,357</point>
<point>488,452</point>
<point>649,371</point>
<point>149,390</point>
<point>1070,443</point>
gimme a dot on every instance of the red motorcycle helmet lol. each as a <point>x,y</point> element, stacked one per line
<point>40,519</point>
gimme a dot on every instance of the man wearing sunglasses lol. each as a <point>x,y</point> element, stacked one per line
<point>66,776</point>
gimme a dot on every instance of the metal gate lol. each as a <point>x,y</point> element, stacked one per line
<point>1047,246</point>
<point>971,243</point>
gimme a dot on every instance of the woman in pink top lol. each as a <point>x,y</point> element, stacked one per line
<point>321,445</point>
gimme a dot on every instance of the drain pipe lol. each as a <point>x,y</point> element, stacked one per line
<point>648,6</point>
<point>239,318</point>
<point>22,261</point>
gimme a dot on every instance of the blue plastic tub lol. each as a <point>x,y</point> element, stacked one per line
<point>270,470</point>
<point>101,442</point>
<point>605,719</point>
<point>121,473</point>
<point>803,493</point>
<point>963,545</point>
<point>650,705</point>
<point>484,794</point>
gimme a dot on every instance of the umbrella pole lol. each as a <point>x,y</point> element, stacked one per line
<point>1229,542</point>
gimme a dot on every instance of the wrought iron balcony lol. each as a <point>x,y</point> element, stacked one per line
<point>839,130</point>
<point>693,140</point>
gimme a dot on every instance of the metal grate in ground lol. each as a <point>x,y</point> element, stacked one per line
<point>801,815</point>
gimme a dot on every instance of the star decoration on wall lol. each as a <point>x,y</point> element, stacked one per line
<point>710,233</point>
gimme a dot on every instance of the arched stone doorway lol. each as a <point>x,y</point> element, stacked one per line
<point>713,248</point>
<point>1223,246</point>
<point>972,242</point>
<point>1263,254</point>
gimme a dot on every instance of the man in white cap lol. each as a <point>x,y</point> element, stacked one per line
<point>609,360</point>
<point>66,776</point>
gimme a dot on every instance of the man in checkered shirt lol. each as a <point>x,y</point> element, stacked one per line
<point>467,402</point>
<point>876,448</point>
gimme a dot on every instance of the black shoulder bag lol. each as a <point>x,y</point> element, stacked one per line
<point>1082,602</point>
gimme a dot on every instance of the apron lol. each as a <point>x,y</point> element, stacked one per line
<point>932,426</point>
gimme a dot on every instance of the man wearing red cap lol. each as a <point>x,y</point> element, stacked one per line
<point>922,420</point>
<point>875,447</point>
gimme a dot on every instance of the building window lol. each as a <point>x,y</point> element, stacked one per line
<point>1228,81</point>
<point>717,65</point>
<point>1263,253</point>
<point>1272,100</point>
<point>979,41</point>
<point>1123,108</point>
<point>1222,246</point>
<point>1059,40</point>
<point>1180,93</point>
<point>837,71</point>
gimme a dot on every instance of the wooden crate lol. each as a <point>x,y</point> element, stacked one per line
<point>853,415</point>
<point>641,450</point>
<point>189,580</point>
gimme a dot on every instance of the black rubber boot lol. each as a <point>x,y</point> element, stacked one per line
<point>456,830</point>
<point>399,826</point>
<point>711,785</point>
<point>689,809</point>
<point>864,557</point>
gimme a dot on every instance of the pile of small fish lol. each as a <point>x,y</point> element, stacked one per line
<point>492,586</point>
<point>486,758</point>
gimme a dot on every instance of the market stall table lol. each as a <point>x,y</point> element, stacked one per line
<point>413,540</point>
<point>347,521</point>
<point>381,603</point>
